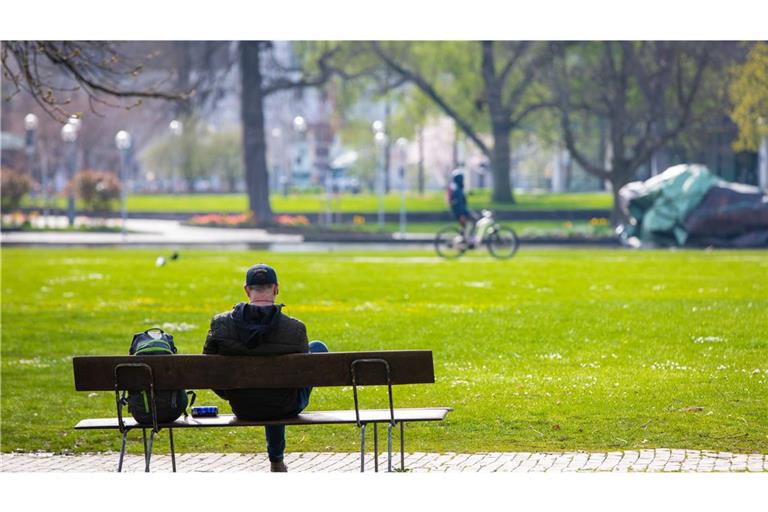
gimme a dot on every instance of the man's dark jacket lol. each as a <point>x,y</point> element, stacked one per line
<point>250,330</point>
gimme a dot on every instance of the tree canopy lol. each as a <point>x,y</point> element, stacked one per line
<point>749,94</point>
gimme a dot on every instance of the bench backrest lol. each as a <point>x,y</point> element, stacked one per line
<point>96,373</point>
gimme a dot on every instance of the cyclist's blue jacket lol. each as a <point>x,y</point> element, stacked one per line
<point>456,197</point>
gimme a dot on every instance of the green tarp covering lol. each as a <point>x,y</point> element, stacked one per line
<point>659,206</point>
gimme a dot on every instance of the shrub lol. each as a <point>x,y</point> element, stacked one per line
<point>97,189</point>
<point>15,186</point>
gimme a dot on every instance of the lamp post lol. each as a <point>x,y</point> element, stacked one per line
<point>76,122</point>
<point>402,146</point>
<point>277,174</point>
<point>30,144</point>
<point>300,129</point>
<point>69,136</point>
<point>123,143</point>
<point>176,128</point>
<point>380,140</point>
<point>30,126</point>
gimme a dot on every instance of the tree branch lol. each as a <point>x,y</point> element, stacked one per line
<point>430,91</point>
<point>80,77</point>
<point>520,50</point>
<point>650,144</point>
<point>325,73</point>
<point>563,100</point>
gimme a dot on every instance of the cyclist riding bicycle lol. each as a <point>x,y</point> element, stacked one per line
<point>458,203</point>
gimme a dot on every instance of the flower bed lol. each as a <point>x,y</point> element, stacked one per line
<point>243,220</point>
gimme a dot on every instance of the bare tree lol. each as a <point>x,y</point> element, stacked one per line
<point>261,74</point>
<point>645,99</point>
<point>509,71</point>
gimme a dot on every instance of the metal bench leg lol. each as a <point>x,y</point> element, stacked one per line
<point>402,446</point>
<point>375,447</point>
<point>147,449</point>
<point>122,453</point>
<point>173,451</point>
<point>389,448</point>
<point>362,448</point>
<point>144,438</point>
<point>149,452</point>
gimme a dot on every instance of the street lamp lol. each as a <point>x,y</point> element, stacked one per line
<point>76,122</point>
<point>380,139</point>
<point>69,136</point>
<point>277,170</point>
<point>123,143</point>
<point>30,125</point>
<point>299,124</point>
<point>300,128</point>
<point>402,146</point>
<point>176,128</point>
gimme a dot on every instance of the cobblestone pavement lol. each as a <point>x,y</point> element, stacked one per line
<point>656,460</point>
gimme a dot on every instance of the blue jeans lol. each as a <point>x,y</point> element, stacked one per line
<point>276,433</point>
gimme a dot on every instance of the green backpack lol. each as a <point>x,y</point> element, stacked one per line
<point>170,404</point>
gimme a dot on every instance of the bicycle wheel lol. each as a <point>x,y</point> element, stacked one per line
<point>449,243</point>
<point>502,242</point>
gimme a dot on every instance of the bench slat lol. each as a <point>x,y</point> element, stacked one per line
<point>96,373</point>
<point>305,418</point>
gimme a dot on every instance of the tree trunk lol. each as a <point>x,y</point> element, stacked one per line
<point>254,144</point>
<point>558,172</point>
<point>387,148</point>
<point>455,147</point>
<point>619,176</point>
<point>183,108</point>
<point>421,160</point>
<point>500,166</point>
<point>660,158</point>
<point>500,124</point>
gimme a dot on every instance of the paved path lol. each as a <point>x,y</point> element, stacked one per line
<point>148,232</point>
<point>657,460</point>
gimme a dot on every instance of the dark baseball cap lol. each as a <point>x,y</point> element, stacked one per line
<point>260,274</point>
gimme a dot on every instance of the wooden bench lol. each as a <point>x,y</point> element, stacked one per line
<point>150,373</point>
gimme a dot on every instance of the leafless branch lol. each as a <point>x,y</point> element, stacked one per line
<point>96,68</point>
<point>563,99</point>
<point>427,88</point>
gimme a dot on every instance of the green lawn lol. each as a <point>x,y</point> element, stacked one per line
<point>527,228</point>
<point>361,203</point>
<point>553,350</point>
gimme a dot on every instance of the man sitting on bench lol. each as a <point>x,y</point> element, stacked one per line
<point>259,328</point>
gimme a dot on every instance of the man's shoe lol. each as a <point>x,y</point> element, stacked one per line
<point>278,467</point>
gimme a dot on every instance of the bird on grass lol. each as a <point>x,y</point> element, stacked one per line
<point>161,261</point>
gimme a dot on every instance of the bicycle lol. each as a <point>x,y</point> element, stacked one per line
<point>501,241</point>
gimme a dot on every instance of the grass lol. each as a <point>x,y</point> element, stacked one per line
<point>532,228</point>
<point>360,203</point>
<point>553,350</point>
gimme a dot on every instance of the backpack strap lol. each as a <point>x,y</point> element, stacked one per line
<point>192,398</point>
